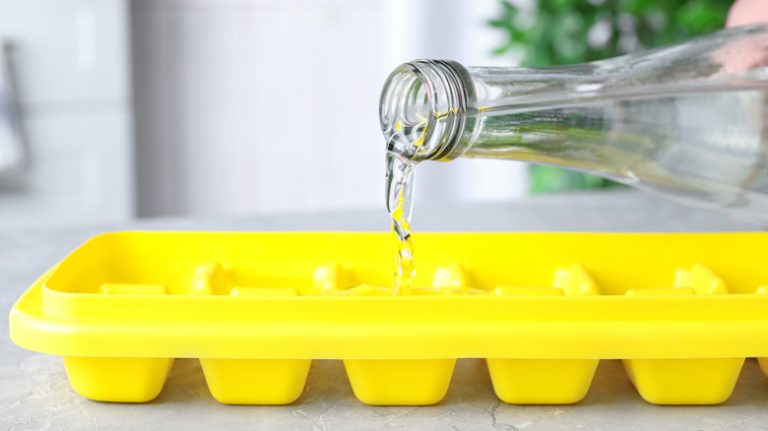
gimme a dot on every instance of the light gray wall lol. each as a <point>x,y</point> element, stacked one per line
<point>253,106</point>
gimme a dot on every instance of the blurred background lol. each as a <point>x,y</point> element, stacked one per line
<point>114,109</point>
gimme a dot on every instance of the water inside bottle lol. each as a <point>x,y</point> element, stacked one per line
<point>399,195</point>
<point>705,143</point>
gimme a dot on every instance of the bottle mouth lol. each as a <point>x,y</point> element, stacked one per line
<point>423,109</point>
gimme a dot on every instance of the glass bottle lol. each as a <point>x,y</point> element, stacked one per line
<point>689,121</point>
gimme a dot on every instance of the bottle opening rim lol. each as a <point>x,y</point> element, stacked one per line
<point>423,110</point>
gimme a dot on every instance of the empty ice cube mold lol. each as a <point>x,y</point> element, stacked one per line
<point>681,310</point>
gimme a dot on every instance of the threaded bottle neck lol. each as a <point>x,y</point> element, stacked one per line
<point>423,110</point>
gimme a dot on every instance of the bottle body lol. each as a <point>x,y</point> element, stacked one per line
<point>688,121</point>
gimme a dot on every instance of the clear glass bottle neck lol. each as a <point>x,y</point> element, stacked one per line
<point>687,120</point>
<point>440,110</point>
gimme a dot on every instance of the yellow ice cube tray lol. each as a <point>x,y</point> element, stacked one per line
<point>682,311</point>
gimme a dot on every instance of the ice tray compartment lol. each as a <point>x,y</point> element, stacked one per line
<point>128,380</point>
<point>546,381</point>
<point>251,381</point>
<point>541,309</point>
<point>686,381</point>
<point>120,379</point>
<point>256,381</point>
<point>403,382</point>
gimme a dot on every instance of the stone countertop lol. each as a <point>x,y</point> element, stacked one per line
<point>35,394</point>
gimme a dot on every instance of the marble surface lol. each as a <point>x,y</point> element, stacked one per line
<point>35,394</point>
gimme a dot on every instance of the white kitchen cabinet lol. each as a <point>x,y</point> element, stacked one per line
<point>71,62</point>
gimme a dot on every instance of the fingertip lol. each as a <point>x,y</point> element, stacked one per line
<point>744,12</point>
